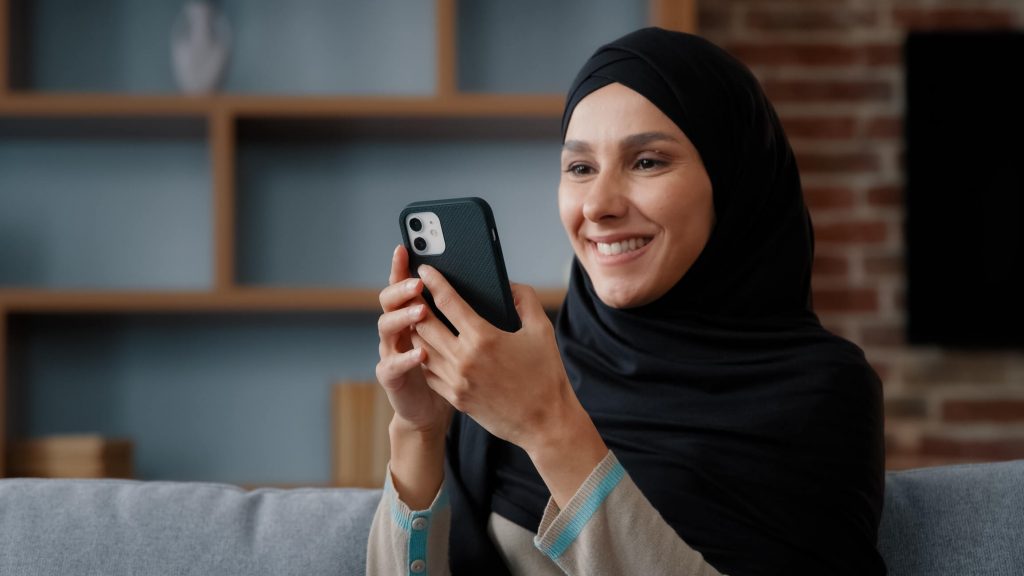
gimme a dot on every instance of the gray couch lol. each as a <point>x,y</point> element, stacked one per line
<point>956,520</point>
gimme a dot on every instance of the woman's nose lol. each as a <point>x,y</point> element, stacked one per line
<point>606,198</point>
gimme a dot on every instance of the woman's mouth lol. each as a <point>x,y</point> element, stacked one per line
<point>622,246</point>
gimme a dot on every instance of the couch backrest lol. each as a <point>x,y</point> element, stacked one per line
<point>120,527</point>
<point>957,520</point>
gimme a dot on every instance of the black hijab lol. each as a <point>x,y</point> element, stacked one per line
<point>753,431</point>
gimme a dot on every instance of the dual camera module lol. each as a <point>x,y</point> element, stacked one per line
<point>425,235</point>
<point>415,224</point>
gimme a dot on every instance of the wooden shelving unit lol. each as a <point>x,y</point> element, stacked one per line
<point>222,115</point>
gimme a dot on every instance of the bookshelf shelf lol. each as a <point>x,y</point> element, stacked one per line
<point>269,300</point>
<point>46,105</point>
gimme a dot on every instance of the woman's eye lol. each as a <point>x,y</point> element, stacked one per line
<point>579,170</point>
<point>648,163</point>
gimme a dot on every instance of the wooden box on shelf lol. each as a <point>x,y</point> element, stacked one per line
<point>360,414</point>
<point>72,456</point>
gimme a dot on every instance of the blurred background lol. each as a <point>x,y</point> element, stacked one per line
<point>199,199</point>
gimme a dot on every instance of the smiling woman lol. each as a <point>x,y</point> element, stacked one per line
<point>688,414</point>
<point>634,197</point>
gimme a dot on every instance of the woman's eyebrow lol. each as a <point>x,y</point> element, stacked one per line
<point>576,146</point>
<point>644,138</point>
<point>629,142</point>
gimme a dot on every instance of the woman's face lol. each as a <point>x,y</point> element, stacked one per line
<point>634,196</point>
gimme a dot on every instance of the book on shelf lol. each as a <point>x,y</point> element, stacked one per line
<point>72,456</point>
<point>361,447</point>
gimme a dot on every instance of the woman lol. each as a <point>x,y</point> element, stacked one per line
<point>689,415</point>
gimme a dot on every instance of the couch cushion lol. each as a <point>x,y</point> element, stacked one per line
<point>120,527</point>
<point>958,520</point>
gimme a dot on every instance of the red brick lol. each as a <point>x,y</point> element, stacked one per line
<point>810,19</point>
<point>883,335</point>
<point>952,18</point>
<point>836,128</point>
<point>906,408</point>
<point>831,265</point>
<point>973,369</point>
<point>883,54</point>
<point>814,55</point>
<point>885,127</point>
<point>886,196</point>
<point>900,299</point>
<point>825,197</point>
<point>833,162</point>
<point>885,265</point>
<point>994,449</point>
<point>846,300</point>
<point>828,90</point>
<point>852,232</point>
<point>709,20</point>
<point>1005,410</point>
<point>796,54</point>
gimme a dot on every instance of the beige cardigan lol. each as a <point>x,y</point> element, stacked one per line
<point>608,527</point>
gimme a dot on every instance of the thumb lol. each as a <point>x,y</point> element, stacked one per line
<point>528,304</point>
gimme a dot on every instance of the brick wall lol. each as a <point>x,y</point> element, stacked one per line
<point>833,69</point>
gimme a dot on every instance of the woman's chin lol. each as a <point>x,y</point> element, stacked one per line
<point>621,297</point>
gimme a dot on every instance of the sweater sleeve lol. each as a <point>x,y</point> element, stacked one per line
<point>609,527</point>
<point>405,542</point>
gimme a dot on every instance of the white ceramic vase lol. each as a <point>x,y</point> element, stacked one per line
<point>200,46</point>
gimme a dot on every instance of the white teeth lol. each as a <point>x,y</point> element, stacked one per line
<point>620,247</point>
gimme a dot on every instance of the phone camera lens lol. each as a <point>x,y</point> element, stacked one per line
<point>419,243</point>
<point>415,224</point>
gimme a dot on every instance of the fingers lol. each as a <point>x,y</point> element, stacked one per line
<point>399,265</point>
<point>448,301</point>
<point>395,296</point>
<point>528,304</point>
<point>391,368</point>
<point>401,288</point>
<point>391,324</point>
<point>435,368</point>
<point>436,334</point>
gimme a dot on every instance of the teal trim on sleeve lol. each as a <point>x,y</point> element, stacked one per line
<point>586,510</point>
<point>405,518</point>
<point>403,521</point>
<point>418,542</point>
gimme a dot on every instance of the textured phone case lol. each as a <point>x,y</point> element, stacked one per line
<point>472,261</point>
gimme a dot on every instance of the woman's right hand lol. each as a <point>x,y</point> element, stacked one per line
<point>418,409</point>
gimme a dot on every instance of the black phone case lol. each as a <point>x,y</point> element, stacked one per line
<point>472,261</point>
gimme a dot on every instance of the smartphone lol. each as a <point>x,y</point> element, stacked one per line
<point>457,236</point>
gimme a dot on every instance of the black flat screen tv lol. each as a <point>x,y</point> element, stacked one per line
<point>964,240</point>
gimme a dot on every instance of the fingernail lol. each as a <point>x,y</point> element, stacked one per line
<point>410,285</point>
<point>395,253</point>
<point>423,270</point>
<point>415,311</point>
